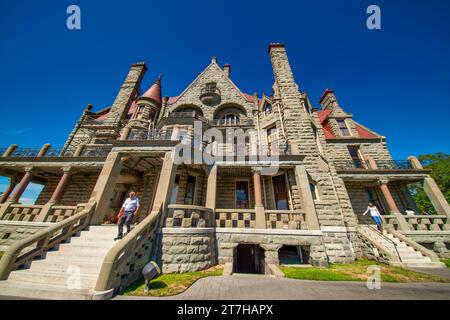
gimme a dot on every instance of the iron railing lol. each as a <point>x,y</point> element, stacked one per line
<point>351,165</point>
<point>96,151</point>
<point>187,115</point>
<point>394,164</point>
<point>145,134</point>
<point>232,122</point>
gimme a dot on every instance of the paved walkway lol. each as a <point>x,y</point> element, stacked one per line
<point>257,287</point>
<point>443,273</point>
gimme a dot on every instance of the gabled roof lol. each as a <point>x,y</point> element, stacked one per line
<point>363,132</point>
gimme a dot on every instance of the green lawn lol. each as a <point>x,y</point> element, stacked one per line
<point>170,284</point>
<point>357,272</point>
<point>447,262</point>
<point>1,254</point>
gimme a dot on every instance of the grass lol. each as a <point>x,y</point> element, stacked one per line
<point>1,254</point>
<point>171,284</point>
<point>357,272</point>
<point>446,262</point>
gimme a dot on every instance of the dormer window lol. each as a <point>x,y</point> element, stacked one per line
<point>343,128</point>
<point>267,108</point>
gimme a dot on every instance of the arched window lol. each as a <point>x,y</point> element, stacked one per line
<point>230,118</point>
<point>139,112</point>
<point>267,108</point>
<point>314,191</point>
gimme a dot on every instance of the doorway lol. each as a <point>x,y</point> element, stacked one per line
<point>280,193</point>
<point>249,258</point>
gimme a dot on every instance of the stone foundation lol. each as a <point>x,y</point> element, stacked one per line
<point>186,250</point>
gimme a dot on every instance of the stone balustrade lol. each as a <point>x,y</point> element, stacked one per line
<point>419,222</point>
<point>21,212</point>
<point>40,213</point>
<point>286,219</point>
<point>186,216</point>
<point>235,218</point>
<point>428,222</point>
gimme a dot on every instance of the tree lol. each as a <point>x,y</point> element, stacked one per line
<point>439,164</point>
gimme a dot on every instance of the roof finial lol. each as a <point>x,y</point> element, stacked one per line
<point>214,59</point>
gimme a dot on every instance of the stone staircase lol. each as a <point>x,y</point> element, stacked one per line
<point>410,258</point>
<point>55,277</point>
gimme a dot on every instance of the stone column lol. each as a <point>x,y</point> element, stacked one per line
<point>211,188</point>
<point>260,213</point>
<point>12,184</point>
<point>62,186</point>
<point>432,190</point>
<point>79,150</point>
<point>166,181</point>
<point>18,192</point>
<point>302,181</point>
<point>393,209</point>
<point>105,185</point>
<point>10,150</point>
<point>125,133</point>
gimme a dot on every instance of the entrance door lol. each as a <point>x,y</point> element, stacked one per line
<point>245,255</point>
<point>242,195</point>
<point>280,192</point>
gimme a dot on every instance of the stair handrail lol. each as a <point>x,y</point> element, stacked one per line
<point>375,244</point>
<point>123,250</point>
<point>44,240</point>
<point>388,239</point>
<point>426,252</point>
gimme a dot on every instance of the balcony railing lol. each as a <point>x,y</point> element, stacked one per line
<point>145,134</point>
<point>351,165</point>
<point>394,164</point>
<point>286,219</point>
<point>365,165</point>
<point>209,90</point>
<point>96,151</point>
<point>187,115</point>
<point>232,122</point>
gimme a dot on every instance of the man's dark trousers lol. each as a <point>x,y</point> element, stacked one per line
<point>125,219</point>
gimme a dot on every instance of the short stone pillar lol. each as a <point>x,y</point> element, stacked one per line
<point>125,133</point>
<point>432,190</point>
<point>260,213</point>
<point>79,150</point>
<point>43,150</point>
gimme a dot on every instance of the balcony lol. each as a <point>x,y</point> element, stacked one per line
<point>351,165</point>
<point>210,96</point>
<point>150,135</point>
<point>232,122</point>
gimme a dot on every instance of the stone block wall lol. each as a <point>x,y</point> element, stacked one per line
<point>181,252</point>
<point>78,191</point>
<point>339,247</point>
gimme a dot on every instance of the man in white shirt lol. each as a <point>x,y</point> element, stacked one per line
<point>129,208</point>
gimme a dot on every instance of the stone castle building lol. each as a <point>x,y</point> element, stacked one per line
<point>293,190</point>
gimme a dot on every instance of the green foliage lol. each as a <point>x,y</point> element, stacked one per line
<point>357,271</point>
<point>439,164</point>
<point>446,262</point>
<point>171,284</point>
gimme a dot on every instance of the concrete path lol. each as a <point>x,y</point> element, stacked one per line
<point>443,273</point>
<point>257,287</point>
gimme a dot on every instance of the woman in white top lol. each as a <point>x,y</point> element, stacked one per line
<point>375,215</point>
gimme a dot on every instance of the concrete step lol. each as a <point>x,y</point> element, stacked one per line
<point>416,260</point>
<point>92,242</point>
<point>20,289</point>
<point>431,265</point>
<point>52,278</point>
<point>63,266</point>
<point>80,248</point>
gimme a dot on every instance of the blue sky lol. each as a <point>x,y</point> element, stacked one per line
<point>392,80</point>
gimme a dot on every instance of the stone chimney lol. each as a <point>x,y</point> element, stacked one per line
<point>227,69</point>
<point>328,100</point>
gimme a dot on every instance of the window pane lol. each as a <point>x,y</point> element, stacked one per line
<point>190,189</point>
<point>343,128</point>
<point>242,200</point>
